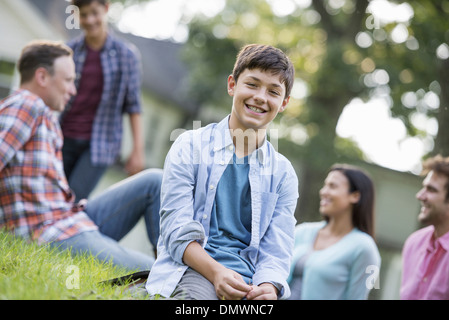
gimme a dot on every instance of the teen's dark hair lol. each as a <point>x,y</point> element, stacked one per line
<point>266,58</point>
<point>440,166</point>
<point>39,54</point>
<point>363,210</point>
<point>81,3</point>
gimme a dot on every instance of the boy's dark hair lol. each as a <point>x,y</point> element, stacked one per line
<point>265,57</point>
<point>440,166</point>
<point>81,3</point>
<point>40,53</point>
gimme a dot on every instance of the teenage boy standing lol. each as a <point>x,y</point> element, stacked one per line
<point>228,198</point>
<point>108,83</point>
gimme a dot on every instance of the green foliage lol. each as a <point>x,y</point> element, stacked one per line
<point>32,272</point>
<point>213,44</point>
<point>220,54</point>
<point>325,55</point>
<point>413,65</point>
<point>321,41</point>
<point>6,67</point>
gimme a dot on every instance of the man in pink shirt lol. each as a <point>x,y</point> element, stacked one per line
<point>425,256</point>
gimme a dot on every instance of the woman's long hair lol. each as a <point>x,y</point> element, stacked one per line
<point>363,210</point>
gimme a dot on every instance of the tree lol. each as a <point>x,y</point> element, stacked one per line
<point>419,78</point>
<point>321,40</point>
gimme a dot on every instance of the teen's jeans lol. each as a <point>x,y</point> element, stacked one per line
<point>116,211</point>
<point>81,174</point>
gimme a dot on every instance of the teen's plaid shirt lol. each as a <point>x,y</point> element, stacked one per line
<point>35,199</point>
<point>122,73</point>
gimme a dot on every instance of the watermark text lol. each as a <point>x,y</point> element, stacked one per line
<point>73,20</point>
<point>73,280</point>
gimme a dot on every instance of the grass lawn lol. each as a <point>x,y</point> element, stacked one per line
<point>32,272</point>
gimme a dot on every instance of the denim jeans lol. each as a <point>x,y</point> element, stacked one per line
<point>116,211</point>
<point>81,174</point>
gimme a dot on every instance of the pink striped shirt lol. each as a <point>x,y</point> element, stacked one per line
<point>425,270</point>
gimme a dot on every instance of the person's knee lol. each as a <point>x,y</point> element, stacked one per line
<point>152,179</point>
<point>154,174</point>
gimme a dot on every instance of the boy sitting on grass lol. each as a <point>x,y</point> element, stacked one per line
<point>228,198</point>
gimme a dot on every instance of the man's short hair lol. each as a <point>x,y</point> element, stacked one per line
<point>266,58</point>
<point>40,53</point>
<point>440,166</point>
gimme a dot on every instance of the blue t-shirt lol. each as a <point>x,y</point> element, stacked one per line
<point>230,228</point>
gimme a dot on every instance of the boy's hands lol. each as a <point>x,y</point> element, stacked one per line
<point>229,285</point>
<point>264,291</point>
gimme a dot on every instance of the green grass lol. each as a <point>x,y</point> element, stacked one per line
<point>32,272</point>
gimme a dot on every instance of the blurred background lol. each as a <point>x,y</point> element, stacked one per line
<point>371,87</point>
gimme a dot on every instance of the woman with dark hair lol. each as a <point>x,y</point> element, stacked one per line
<point>337,258</point>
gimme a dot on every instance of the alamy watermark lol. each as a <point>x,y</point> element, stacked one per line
<point>372,22</point>
<point>372,281</point>
<point>72,282</point>
<point>73,20</point>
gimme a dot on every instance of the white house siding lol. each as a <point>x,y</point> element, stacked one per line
<point>20,24</point>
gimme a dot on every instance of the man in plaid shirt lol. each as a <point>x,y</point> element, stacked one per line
<point>36,201</point>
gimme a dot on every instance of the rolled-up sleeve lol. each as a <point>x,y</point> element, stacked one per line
<point>178,226</point>
<point>132,101</point>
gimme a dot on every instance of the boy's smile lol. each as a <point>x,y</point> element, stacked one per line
<point>258,96</point>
